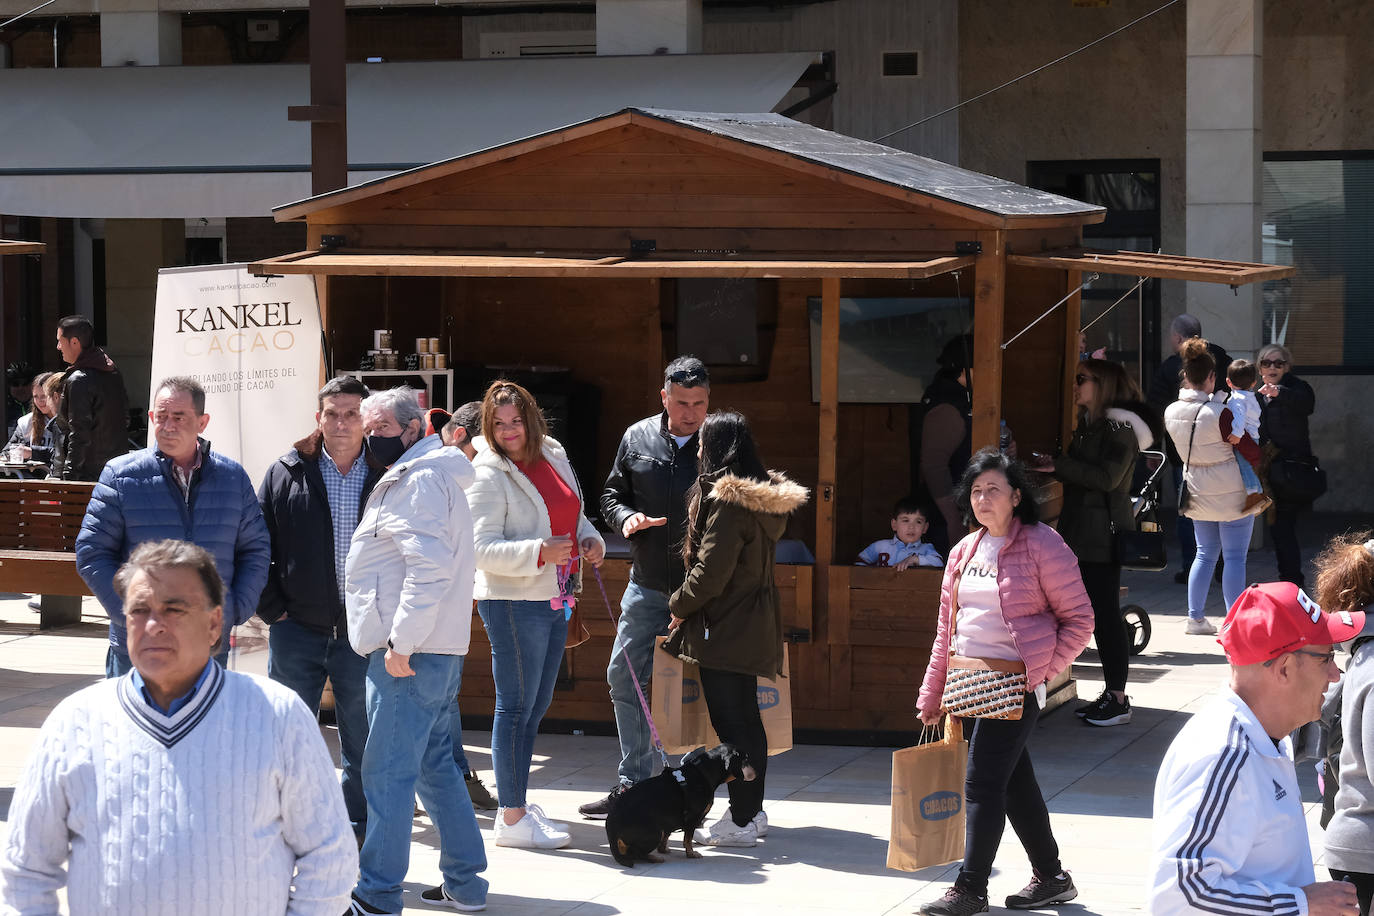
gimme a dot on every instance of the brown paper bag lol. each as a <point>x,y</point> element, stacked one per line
<point>680,713</point>
<point>928,802</point>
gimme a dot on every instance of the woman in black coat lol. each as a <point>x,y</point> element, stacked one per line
<point>1286,402</point>
<point>1097,469</point>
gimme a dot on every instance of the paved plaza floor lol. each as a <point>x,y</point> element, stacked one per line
<point>827,805</point>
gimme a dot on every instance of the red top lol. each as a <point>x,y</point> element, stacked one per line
<point>1248,447</point>
<point>559,498</point>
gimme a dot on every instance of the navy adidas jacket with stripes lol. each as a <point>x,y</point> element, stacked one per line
<point>1229,832</point>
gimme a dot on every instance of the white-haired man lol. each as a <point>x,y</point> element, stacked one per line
<point>408,590</point>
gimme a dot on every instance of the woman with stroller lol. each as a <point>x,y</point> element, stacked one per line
<point>1114,425</point>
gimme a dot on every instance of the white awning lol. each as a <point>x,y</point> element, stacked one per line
<point>186,142</point>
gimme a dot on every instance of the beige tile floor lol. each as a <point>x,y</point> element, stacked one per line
<point>828,806</point>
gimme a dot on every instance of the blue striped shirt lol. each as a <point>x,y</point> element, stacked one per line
<point>345,493</point>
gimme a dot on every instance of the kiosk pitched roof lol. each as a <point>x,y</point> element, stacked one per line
<point>773,135</point>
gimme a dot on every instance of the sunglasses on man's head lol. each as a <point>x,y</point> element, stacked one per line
<point>687,378</point>
<point>1273,363</point>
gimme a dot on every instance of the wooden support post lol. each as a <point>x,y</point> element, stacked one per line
<point>989,308</point>
<point>312,240</point>
<point>826,447</point>
<point>1073,320</point>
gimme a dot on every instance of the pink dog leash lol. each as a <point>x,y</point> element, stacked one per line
<point>643,703</point>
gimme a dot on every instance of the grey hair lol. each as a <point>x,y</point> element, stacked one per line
<point>400,402</point>
<point>151,556</point>
<point>184,384</point>
<point>1186,326</point>
<point>1270,349</point>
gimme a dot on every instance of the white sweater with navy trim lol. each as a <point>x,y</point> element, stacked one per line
<point>230,806</point>
<point>1229,833</point>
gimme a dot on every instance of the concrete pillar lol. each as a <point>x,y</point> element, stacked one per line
<point>134,251</point>
<point>142,38</point>
<point>1224,163</point>
<point>648,26</point>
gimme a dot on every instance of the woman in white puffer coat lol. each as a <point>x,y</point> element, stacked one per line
<point>1198,423</point>
<point>531,534</point>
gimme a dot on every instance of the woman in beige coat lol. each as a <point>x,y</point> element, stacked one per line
<point>1198,423</point>
<point>531,533</point>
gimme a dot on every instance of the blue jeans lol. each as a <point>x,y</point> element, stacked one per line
<point>1247,473</point>
<point>118,663</point>
<point>643,616</point>
<point>1187,541</point>
<point>1232,541</point>
<point>408,750</point>
<point>455,731</point>
<point>302,658</point>
<point>527,640</point>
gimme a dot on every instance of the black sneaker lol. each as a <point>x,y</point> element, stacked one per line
<point>440,896</point>
<point>1109,711</point>
<point>481,798</point>
<point>598,809</point>
<point>357,908</point>
<point>1088,707</point>
<point>1044,892</point>
<point>956,902</point>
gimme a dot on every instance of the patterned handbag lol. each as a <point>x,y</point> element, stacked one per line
<point>981,688</point>
<point>984,688</point>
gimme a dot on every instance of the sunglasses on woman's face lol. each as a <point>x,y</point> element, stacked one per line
<point>1273,363</point>
<point>1082,379</point>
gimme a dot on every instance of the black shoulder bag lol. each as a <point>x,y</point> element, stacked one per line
<point>1185,496</point>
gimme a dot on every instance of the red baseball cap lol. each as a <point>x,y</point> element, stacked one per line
<point>1272,618</point>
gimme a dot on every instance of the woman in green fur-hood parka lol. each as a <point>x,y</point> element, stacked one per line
<point>726,616</point>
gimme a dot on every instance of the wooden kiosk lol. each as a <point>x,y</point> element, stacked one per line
<point>572,248</point>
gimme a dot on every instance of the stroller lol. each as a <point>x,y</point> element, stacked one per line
<point>1146,543</point>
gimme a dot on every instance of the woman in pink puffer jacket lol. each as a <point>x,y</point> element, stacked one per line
<point>1019,596</point>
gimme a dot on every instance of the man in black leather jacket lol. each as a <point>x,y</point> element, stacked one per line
<point>93,414</point>
<point>645,500</point>
<point>311,523</point>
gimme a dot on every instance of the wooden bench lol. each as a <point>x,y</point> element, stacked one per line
<point>39,522</point>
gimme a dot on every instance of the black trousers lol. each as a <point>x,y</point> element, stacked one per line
<point>732,700</point>
<point>1284,531</point>
<point>1103,584</point>
<point>1000,786</point>
<point>1364,886</point>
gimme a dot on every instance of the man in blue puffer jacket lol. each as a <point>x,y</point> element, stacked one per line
<point>180,490</point>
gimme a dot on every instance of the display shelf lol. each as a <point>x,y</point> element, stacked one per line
<point>437,396</point>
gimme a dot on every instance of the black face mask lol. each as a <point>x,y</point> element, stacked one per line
<point>386,449</point>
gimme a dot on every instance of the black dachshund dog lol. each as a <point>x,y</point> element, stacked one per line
<point>643,816</point>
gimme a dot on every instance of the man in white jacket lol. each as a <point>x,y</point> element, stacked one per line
<point>408,590</point>
<point>1229,832</point>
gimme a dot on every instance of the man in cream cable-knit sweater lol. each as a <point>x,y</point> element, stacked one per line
<point>179,788</point>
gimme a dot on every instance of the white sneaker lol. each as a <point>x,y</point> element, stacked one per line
<point>541,817</point>
<point>1200,626</point>
<point>760,823</point>
<point>528,833</point>
<point>725,832</point>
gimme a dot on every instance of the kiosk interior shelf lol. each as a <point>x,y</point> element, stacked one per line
<point>438,382</point>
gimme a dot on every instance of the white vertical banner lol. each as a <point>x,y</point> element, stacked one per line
<point>253,343</point>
